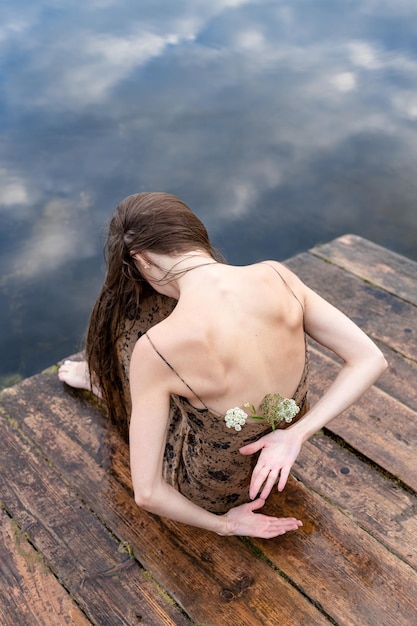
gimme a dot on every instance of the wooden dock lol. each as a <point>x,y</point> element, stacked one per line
<point>75,549</point>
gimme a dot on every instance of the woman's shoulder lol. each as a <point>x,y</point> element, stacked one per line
<point>276,269</point>
<point>167,337</point>
<point>277,266</point>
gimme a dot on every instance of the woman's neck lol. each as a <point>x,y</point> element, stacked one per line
<point>171,274</point>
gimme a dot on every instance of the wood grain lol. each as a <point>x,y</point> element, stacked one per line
<point>374,264</point>
<point>378,426</point>
<point>380,506</point>
<point>29,592</point>
<point>75,548</point>
<point>107,583</point>
<point>383,316</point>
<point>229,581</point>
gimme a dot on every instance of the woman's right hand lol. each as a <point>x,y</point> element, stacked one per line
<point>241,520</point>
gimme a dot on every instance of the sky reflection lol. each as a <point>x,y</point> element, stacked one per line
<point>282,124</point>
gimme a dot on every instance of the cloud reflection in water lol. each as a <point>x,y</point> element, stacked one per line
<point>282,124</point>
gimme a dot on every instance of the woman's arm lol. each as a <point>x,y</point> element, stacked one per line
<point>363,364</point>
<point>150,390</point>
<point>363,361</point>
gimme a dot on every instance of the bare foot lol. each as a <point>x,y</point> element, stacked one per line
<point>76,374</point>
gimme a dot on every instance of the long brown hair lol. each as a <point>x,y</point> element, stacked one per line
<point>155,222</point>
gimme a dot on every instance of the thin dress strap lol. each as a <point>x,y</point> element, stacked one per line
<point>175,372</point>
<point>287,285</point>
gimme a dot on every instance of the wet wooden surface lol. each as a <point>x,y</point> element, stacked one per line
<point>75,549</point>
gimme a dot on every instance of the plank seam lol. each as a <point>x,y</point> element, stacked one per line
<point>368,461</point>
<point>322,257</point>
<point>353,518</point>
<point>124,545</point>
<point>261,555</point>
<point>43,560</point>
<point>332,357</point>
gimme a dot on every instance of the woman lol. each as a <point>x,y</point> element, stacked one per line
<point>207,347</point>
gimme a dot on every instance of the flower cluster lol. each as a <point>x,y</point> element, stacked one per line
<point>274,408</point>
<point>235,417</point>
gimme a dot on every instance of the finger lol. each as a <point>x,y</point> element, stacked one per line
<point>275,526</point>
<point>251,448</point>
<point>271,480</point>
<point>285,523</point>
<point>256,504</point>
<point>285,472</point>
<point>259,475</point>
<point>290,523</point>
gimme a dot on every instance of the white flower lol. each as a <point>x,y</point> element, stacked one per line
<point>236,418</point>
<point>289,410</point>
<point>274,409</point>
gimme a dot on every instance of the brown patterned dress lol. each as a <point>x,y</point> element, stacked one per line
<point>202,459</point>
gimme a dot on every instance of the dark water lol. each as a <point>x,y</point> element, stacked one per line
<point>281,123</point>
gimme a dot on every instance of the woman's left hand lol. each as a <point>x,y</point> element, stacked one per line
<point>279,450</point>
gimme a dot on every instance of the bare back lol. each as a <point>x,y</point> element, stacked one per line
<point>236,336</point>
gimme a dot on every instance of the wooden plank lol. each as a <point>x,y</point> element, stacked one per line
<point>326,285</point>
<point>354,577</point>
<point>106,582</point>
<point>380,506</point>
<point>370,565</point>
<point>243,588</point>
<point>384,268</point>
<point>399,381</point>
<point>340,566</point>
<point>394,273</point>
<point>29,593</point>
<point>378,426</point>
<point>381,315</point>
<point>217,580</point>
